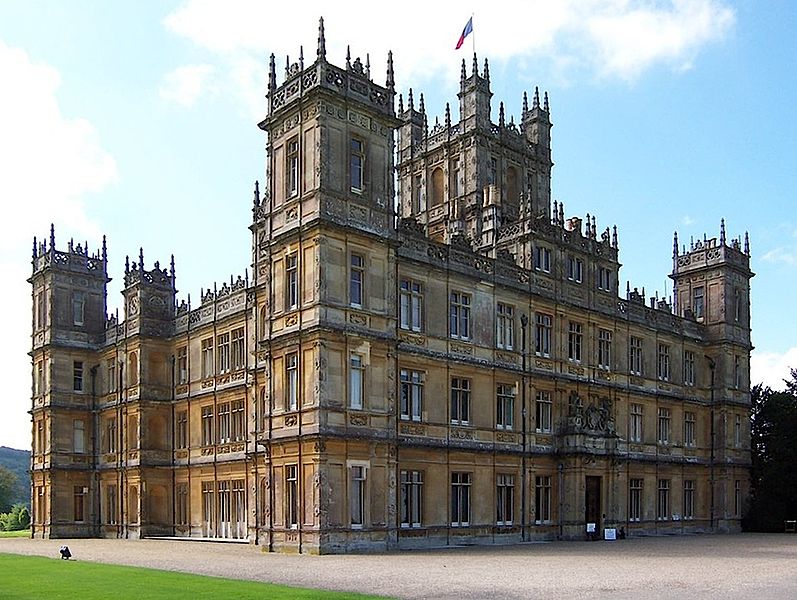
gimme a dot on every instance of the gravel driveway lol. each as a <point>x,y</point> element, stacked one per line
<point>749,566</point>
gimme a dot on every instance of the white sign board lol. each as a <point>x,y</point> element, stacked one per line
<point>590,527</point>
<point>610,534</point>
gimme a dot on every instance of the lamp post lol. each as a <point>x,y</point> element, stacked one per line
<point>524,321</point>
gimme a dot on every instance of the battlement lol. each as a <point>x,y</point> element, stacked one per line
<point>710,252</point>
<point>76,259</point>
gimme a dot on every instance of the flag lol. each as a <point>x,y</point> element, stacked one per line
<point>465,32</point>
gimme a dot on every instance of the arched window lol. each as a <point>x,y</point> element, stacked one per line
<point>132,369</point>
<point>263,322</point>
<point>437,186</point>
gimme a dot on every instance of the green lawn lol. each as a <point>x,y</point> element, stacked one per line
<point>21,533</point>
<point>38,577</point>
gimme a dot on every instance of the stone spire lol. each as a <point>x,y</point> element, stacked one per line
<point>272,74</point>
<point>525,103</point>
<point>746,244</point>
<point>536,101</point>
<point>322,41</point>
<point>390,82</point>
<point>722,232</point>
<point>675,244</point>
<point>545,106</point>
<point>501,118</point>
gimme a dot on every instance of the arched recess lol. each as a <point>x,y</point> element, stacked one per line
<point>132,369</point>
<point>438,185</point>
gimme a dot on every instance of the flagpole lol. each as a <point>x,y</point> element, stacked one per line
<point>472,33</point>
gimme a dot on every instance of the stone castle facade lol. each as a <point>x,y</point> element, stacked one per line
<point>449,362</point>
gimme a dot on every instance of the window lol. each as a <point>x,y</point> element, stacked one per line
<point>543,324</point>
<point>356,381</point>
<point>292,165</point>
<point>411,394</point>
<point>291,381</point>
<point>492,177</point>
<point>78,436</point>
<point>77,376</point>
<point>357,495</point>
<point>132,369</point>
<point>208,507</point>
<point>574,340</point>
<point>737,498</point>
<point>698,302</point>
<point>356,276</point>
<point>41,310</point>
<point>207,358</point>
<point>605,349</point>
<point>291,282</point>
<point>111,505</point>
<point>575,269</point>
<point>111,373</point>
<point>737,431</point>
<point>505,498</point>
<point>40,437</point>
<point>737,305</point>
<point>437,186</point>
<point>460,315</point>
<point>224,422</point>
<point>663,429</point>
<point>604,279</point>
<point>411,305</point>
<point>207,426</point>
<point>78,308</point>
<point>505,326</point>
<point>505,406</point>
<point>689,429</point>
<point>689,499</point>
<point>460,401</point>
<point>80,503</point>
<point>635,423</point>
<point>411,498</point>
<point>110,435</point>
<point>38,384</point>
<point>542,499</point>
<point>238,420</point>
<point>635,356</point>
<point>635,499</point>
<point>689,368</point>
<point>663,503</point>
<point>237,349</point>
<point>542,259</point>
<point>182,429</point>
<point>182,365</point>
<point>543,412</point>
<point>223,352</point>
<point>737,372</point>
<point>454,185</point>
<point>356,164</point>
<point>181,508</point>
<point>291,496</point>
<point>417,195</point>
<point>663,371</point>
<point>460,499</point>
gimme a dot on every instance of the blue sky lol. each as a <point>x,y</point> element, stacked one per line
<point>138,121</point>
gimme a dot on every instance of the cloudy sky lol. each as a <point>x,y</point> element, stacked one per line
<point>137,120</point>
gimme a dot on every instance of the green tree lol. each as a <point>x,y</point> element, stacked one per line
<point>774,457</point>
<point>18,518</point>
<point>8,483</point>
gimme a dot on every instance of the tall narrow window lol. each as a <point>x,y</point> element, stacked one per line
<point>357,495</point>
<point>356,277</point>
<point>357,164</point>
<point>542,499</point>
<point>111,505</point>
<point>635,423</point>
<point>737,431</point>
<point>291,381</point>
<point>411,395</point>
<point>664,362</point>
<point>698,302</point>
<point>207,426</point>
<point>78,308</point>
<point>77,376</point>
<point>132,369</point>
<point>78,436</point>
<point>605,279</point>
<point>575,338</point>
<point>356,381</point>
<point>737,498</point>
<point>41,310</point>
<point>459,324</point>
<point>664,426</point>
<point>737,305</point>
<point>543,325</point>
<point>542,259</point>
<point>575,269</point>
<point>460,499</point>
<point>182,365</point>
<point>605,349</point>
<point>505,326</point>
<point>663,501</point>
<point>208,508</point>
<point>111,435</point>
<point>224,422</point>
<point>689,368</point>
<point>417,194</point>
<point>39,381</point>
<point>237,349</point>
<point>411,498</point>
<point>689,429</point>
<point>291,282</point>
<point>292,168</point>
<point>505,406</point>
<point>291,496</point>
<point>181,508</point>
<point>460,401</point>
<point>437,186</point>
<point>411,305</point>
<point>79,503</point>
<point>635,499</point>
<point>237,420</point>
<point>689,499</point>
<point>737,372</point>
<point>182,429</point>
<point>208,367</point>
<point>223,353</point>
<point>505,498</point>
<point>492,176</point>
<point>454,185</point>
<point>635,355</point>
<point>111,370</point>
<point>543,412</point>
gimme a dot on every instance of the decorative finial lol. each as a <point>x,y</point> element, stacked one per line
<point>722,232</point>
<point>272,73</point>
<point>141,258</point>
<point>553,218</point>
<point>390,82</point>
<point>171,269</point>
<point>401,104</point>
<point>421,105</point>
<point>52,237</point>
<point>675,244</point>
<point>525,103</point>
<point>322,41</point>
<point>536,101</point>
<point>448,116</point>
<point>348,58</point>
<point>614,237</point>
<point>257,193</point>
<point>746,244</point>
<point>287,66</point>
<point>368,65</point>
<point>463,75</point>
<point>127,265</point>
<point>545,103</point>
<point>301,58</point>
<point>410,103</point>
<point>35,247</point>
<point>594,230</point>
<point>561,213</point>
<point>501,121</point>
<point>487,70</point>
<point>475,65</point>
<point>104,250</point>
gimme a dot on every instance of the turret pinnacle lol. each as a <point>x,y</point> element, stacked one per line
<point>322,42</point>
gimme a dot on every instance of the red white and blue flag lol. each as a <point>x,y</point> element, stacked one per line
<point>465,33</point>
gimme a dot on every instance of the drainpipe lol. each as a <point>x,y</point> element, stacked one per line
<point>524,320</point>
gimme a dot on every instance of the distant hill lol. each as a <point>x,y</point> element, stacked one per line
<point>18,461</point>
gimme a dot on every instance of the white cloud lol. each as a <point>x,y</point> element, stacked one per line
<point>185,84</point>
<point>771,368</point>
<point>49,163</point>
<point>687,221</point>
<point>781,255</point>
<point>603,38</point>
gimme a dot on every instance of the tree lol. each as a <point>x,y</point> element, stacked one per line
<point>774,457</point>
<point>18,518</point>
<point>8,483</point>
